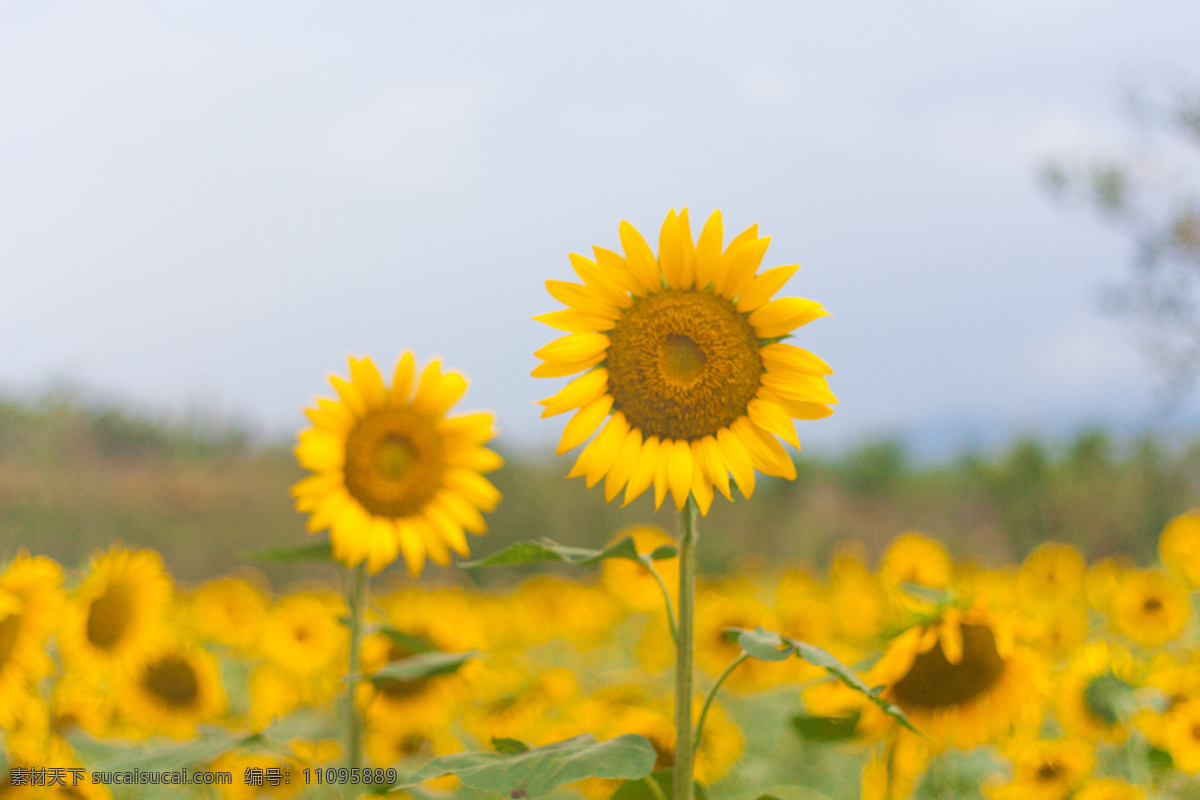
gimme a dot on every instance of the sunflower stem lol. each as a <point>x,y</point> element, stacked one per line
<point>684,751</point>
<point>666,599</point>
<point>355,595</point>
<point>712,695</point>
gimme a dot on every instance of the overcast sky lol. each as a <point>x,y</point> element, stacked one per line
<point>213,203</point>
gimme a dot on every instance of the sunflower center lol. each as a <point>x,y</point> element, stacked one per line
<point>172,681</point>
<point>682,364</point>
<point>10,626</point>
<point>1152,605</point>
<point>1048,772</point>
<point>933,682</point>
<point>394,462</point>
<point>109,617</point>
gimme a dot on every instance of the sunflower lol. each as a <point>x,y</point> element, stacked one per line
<point>1094,692</point>
<point>394,474</point>
<point>1052,573</point>
<point>303,634</point>
<point>682,354</point>
<point>230,611</point>
<point>173,691</point>
<point>915,558</point>
<point>1150,607</point>
<point>30,604</point>
<point>1046,769</point>
<point>961,679</point>
<point>117,614</point>
<point>1181,735</point>
<point>1179,546</point>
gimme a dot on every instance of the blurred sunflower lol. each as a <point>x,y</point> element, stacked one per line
<point>630,582</point>
<point>1094,692</point>
<point>684,352</point>
<point>1108,789</point>
<point>394,474</point>
<point>172,692</point>
<point>117,614</point>
<point>1149,607</point>
<point>1179,546</point>
<point>31,602</point>
<point>230,611</point>
<point>894,775</point>
<point>961,679</point>
<point>1046,769</point>
<point>1052,573</point>
<point>1181,735</point>
<point>303,634</point>
<point>915,558</point>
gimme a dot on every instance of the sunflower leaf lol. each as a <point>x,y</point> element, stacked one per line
<point>539,770</point>
<point>663,552</point>
<point>761,644</point>
<point>422,665</point>
<point>825,729</point>
<point>171,758</point>
<point>315,551</point>
<point>665,779</point>
<point>414,644</point>
<point>503,745</point>
<point>547,550</point>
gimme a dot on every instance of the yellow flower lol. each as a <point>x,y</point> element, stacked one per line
<point>1088,698</point>
<point>1101,581</point>
<point>1046,769</point>
<point>31,603</point>
<point>175,690</point>
<point>961,680</point>
<point>1052,573</point>
<point>431,698</point>
<point>1150,608</point>
<point>1179,546</point>
<point>116,616</point>
<point>230,611</point>
<point>394,473</point>
<point>1181,735</point>
<point>630,582</point>
<point>894,775</point>
<point>715,649</point>
<point>683,350</point>
<point>1108,789</point>
<point>303,635</point>
<point>914,558</point>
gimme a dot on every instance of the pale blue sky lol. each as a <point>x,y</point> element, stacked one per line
<point>215,203</point>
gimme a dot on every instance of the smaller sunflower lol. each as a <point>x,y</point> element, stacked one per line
<point>1052,573</point>
<point>1150,608</point>
<point>1181,735</point>
<point>303,634</point>
<point>230,611</point>
<point>393,473</point>
<point>1090,696</point>
<point>118,613</point>
<point>1046,769</point>
<point>915,558</point>
<point>173,691</point>
<point>1179,547</point>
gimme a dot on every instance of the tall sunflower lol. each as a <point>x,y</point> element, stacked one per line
<point>393,473</point>
<point>682,354</point>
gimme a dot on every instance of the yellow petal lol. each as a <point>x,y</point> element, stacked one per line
<point>743,266</point>
<point>321,450</point>
<point>411,546</point>
<point>584,423</point>
<point>466,429</point>
<point>702,490</point>
<point>680,472</point>
<point>578,393</point>
<point>583,299</point>
<point>781,357</point>
<point>315,487</point>
<point>437,392</point>
<point>617,270</point>
<point>574,347</point>
<point>764,287</point>
<point>561,369</point>
<point>623,465</point>
<point>784,315</point>
<point>402,381</point>
<point>766,453</point>
<point>350,395</point>
<point>739,243</point>
<point>952,643</point>
<point>574,321</point>
<point>797,409</point>
<point>447,528</point>
<point>599,281</point>
<point>804,388</point>
<point>708,250</point>
<point>463,512</point>
<point>738,460</point>
<point>707,453</point>
<point>472,486</point>
<point>605,447</point>
<point>383,546</point>
<point>479,459</point>
<point>662,473</point>
<point>643,474</point>
<point>365,376</point>
<point>639,260</point>
<point>435,546</point>
<point>771,417</point>
<point>581,464</point>
<point>676,254</point>
<point>324,515</point>
<point>332,416</point>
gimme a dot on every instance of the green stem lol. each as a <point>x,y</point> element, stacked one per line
<point>712,695</point>
<point>684,751</point>
<point>355,597</point>
<point>666,599</point>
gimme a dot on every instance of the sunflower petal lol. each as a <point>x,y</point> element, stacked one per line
<point>623,465</point>
<point>320,450</point>
<point>639,259</point>
<point>662,475</point>
<point>584,423</point>
<point>411,546</point>
<point>744,265</point>
<point>561,369</point>
<point>766,452</point>
<point>679,472</point>
<point>473,487</point>
<point>738,459</point>
<point>600,282</point>
<point>574,347</point>
<point>736,245</point>
<point>617,270</point>
<point>350,395</point>
<point>365,376</point>
<point>708,250</point>
<point>702,490</point>
<point>707,454</point>
<point>479,459</point>
<point>436,391</point>
<point>578,393</point>
<point>572,321</point>
<point>582,299</point>
<point>643,474</point>
<point>798,409</point>
<point>676,253</point>
<point>783,315</point>
<point>475,428</point>
<point>764,287</point>
<point>331,416</point>
<point>781,357</point>
<point>803,388</point>
<point>447,528</point>
<point>435,546</point>
<point>402,380</point>
<point>771,417</point>
<point>606,445</point>
<point>463,512</point>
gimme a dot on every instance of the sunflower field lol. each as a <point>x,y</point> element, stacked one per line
<point>624,673</point>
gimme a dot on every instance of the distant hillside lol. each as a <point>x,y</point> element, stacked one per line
<point>75,477</point>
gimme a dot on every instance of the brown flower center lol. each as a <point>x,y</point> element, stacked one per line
<point>682,364</point>
<point>10,627</point>
<point>109,617</point>
<point>933,682</point>
<point>172,681</point>
<point>394,462</point>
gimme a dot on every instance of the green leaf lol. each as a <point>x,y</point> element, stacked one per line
<point>1160,760</point>
<point>539,770</point>
<point>939,597</point>
<point>548,550</point>
<point>663,552</point>
<point>316,551</point>
<point>422,665</point>
<point>825,729</point>
<point>172,758</point>
<point>769,646</point>
<point>791,793</point>
<point>414,644</point>
<point>502,745</point>
<point>665,778</point>
<point>1109,698</point>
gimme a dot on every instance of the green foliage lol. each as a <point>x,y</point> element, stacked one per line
<point>664,779</point>
<point>825,729</point>
<point>548,550</point>
<point>533,772</point>
<point>422,665</point>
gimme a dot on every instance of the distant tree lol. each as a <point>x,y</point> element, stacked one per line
<point>1154,196</point>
